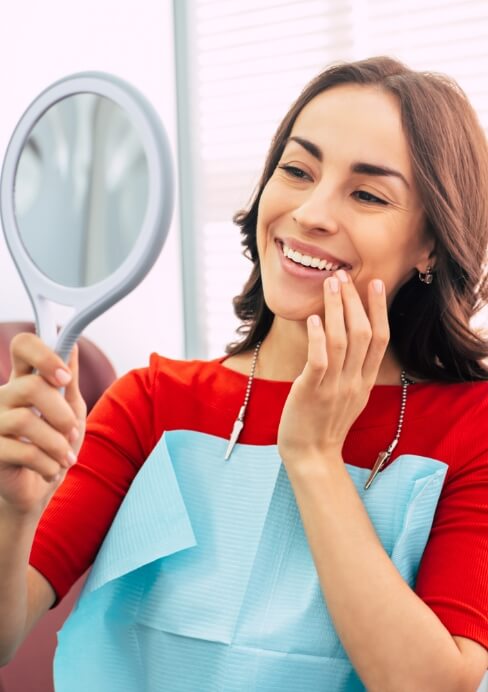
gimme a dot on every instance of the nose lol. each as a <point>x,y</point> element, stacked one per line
<point>317,212</point>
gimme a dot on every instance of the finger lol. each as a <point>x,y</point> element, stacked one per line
<point>335,329</point>
<point>72,391</point>
<point>378,317</point>
<point>33,390</point>
<point>358,327</point>
<point>28,456</point>
<point>316,365</point>
<point>29,353</point>
<point>74,357</point>
<point>24,423</point>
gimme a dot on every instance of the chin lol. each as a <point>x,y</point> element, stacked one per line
<point>292,309</point>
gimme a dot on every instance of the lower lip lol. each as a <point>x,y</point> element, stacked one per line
<point>300,271</point>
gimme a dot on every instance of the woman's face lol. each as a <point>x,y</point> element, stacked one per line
<point>342,194</point>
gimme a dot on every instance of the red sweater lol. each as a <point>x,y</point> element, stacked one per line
<point>444,422</point>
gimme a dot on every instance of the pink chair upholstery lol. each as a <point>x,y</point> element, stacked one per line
<point>31,669</point>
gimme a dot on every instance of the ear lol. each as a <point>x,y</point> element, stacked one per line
<point>427,255</point>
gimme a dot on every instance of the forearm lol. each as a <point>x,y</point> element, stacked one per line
<point>16,536</point>
<point>394,640</point>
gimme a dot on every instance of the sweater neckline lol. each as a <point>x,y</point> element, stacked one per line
<point>287,383</point>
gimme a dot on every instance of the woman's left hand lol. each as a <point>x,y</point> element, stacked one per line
<point>341,369</point>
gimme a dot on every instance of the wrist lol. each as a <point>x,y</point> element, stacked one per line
<point>314,465</point>
<point>20,518</point>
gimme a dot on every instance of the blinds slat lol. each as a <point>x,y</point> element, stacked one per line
<point>208,9</point>
<point>245,21</point>
<point>260,33</point>
<point>270,50</point>
<point>393,11</point>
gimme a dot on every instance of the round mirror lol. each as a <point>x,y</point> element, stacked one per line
<point>82,178</point>
<point>86,197</point>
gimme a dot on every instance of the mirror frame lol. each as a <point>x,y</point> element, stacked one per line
<point>91,301</point>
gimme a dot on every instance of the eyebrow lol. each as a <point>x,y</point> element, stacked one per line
<point>358,167</point>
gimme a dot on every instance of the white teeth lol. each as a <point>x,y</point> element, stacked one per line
<point>308,261</point>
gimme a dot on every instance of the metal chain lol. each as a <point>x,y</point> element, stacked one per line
<point>251,376</point>
<point>405,383</point>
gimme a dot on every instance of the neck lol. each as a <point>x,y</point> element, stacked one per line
<point>283,354</point>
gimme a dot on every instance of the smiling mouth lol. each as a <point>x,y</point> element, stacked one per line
<point>308,261</point>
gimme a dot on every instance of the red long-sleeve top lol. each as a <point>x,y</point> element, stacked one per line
<point>447,422</point>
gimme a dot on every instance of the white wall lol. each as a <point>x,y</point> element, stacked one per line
<point>41,42</point>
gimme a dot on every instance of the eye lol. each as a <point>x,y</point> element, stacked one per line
<point>367,197</point>
<point>294,172</point>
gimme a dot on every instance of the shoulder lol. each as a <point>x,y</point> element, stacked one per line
<point>444,421</point>
<point>468,400</point>
<point>462,415</point>
<point>168,372</point>
<point>171,372</point>
<point>460,401</point>
<point>183,394</point>
<point>167,382</point>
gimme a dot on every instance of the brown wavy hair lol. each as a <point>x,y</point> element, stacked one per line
<point>430,330</point>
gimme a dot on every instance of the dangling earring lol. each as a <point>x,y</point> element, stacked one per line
<point>427,277</point>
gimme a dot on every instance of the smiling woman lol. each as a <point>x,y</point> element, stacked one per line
<point>297,555</point>
<point>420,145</point>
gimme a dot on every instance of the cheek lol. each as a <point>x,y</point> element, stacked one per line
<point>264,219</point>
<point>259,238</point>
<point>393,271</point>
<point>274,202</point>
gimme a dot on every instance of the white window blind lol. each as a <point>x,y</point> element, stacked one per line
<point>248,60</point>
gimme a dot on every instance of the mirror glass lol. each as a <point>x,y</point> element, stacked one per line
<point>81,190</point>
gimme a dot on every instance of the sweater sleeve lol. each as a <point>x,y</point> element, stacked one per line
<point>453,574</point>
<point>119,437</point>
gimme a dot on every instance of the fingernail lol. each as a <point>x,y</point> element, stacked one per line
<point>74,435</point>
<point>62,376</point>
<point>378,286</point>
<point>71,458</point>
<point>333,285</point>
<point>341,274</point>
<point>315,320</point>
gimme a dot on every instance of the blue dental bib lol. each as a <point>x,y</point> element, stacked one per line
<point>205,581</point>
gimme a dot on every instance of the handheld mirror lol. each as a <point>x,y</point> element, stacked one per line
<point>86,197</point>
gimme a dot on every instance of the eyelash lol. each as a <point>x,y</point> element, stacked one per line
<point>298,173</point>
<point>373,199</point>
<point>294,171</point>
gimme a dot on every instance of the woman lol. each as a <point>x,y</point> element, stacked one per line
<point>338,540</point>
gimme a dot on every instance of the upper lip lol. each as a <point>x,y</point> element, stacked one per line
<point>312,251</point>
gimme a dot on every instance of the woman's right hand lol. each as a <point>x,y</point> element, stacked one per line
<point>37,450</point>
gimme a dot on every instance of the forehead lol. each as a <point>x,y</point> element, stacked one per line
<point>357,123</point>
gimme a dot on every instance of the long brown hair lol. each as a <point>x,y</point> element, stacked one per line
<point>429,324</point>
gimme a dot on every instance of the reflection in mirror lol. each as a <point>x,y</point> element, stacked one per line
<point>81,190</point>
